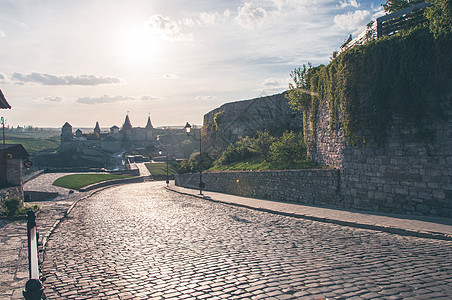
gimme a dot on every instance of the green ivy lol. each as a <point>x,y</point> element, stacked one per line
<point>367,86</point>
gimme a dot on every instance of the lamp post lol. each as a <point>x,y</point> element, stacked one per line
<point>5,170</point>
<point>167,178</point>
<point>187,128</point>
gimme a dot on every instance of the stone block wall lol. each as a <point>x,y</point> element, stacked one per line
<point>227,123</point>
<point>320,187</point>
<point>406,175</point>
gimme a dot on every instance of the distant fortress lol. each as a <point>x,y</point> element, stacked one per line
<point>118,139</point>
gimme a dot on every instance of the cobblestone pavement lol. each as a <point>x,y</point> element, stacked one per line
<point>142,241</point>
<point>13,234</point>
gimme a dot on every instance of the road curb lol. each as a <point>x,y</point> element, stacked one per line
<point>376,227</point>
<point>55,225</point>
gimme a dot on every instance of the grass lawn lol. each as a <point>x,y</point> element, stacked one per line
<point>77,181</point>
<point>258,164</point>
<point>33,144</point>
<point>160,169</point>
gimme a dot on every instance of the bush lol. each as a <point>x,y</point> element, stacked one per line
<point>13,207</point>
<point>289,150</point>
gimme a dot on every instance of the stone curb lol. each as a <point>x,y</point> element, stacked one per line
<point>112,182</point>
<point>66,213</point>
<point>383,228</point>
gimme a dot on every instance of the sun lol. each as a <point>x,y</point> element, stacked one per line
<point>140,45</point>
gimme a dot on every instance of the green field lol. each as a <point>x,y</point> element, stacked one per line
<point>77,181</point>
<point>157,169</point>
<point>34,142</point>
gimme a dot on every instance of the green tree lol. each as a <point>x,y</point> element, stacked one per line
<point>289,150</point>
<point>440,17</point>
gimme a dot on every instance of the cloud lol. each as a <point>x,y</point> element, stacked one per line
<point>149,98</point>
<point>167,28</point>
<point>249,15</point>
<point>113,99</point>
<point>275,83</point>
<point>53,99</point>
<point>2,77</point>
<point>346,3</point>
<point>47,79</point>
<point>170,76</point>
<point>208,18</point>
<point>2,34</point>
<point>352,20</point>
<point>209,97</point>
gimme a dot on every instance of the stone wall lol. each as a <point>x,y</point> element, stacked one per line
<point>405,175</point>
<point>227,123</point>
<point>319,187</point>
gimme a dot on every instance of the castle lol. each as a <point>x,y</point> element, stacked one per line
<point>116,140</point>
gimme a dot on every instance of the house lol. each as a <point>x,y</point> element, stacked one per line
<point>12,158</point>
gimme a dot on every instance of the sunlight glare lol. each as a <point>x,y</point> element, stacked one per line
<point>141,45</point>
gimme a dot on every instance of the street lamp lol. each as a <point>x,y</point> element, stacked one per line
<point>167,178</point>
<point>187,128</point>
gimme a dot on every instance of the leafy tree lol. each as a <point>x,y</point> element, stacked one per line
<point>440,17</point>
<point>289,150</point>
<point>394,5</point>
<point>299,90</point>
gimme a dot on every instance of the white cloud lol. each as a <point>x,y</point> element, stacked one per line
<point>208,97</point>
<point>53,99</point>
<point>346,3</point>
<point>250,15</point>
<point>149,98</point>
<point>208,18</point>
<point>2,77</point>
<point>103,99</point>
<point>113,99</point>
<point>170,76</point>
<point>47,79</point>
<point>352,20</point>
<point>275,83</point>
<point>167,28</point>
<point>2,34</point>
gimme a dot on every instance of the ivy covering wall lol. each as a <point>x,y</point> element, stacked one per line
<point>368,86</point>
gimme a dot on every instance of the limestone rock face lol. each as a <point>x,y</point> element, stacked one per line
<point>231,121</point>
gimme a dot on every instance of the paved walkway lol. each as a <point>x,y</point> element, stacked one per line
<point>428,227</point>
<point>13,249</point>
<point>13,234</point>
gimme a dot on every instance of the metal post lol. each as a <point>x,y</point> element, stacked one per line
<point>167,179</point>
<point>5,167</point>
<point>33,288</point>
<point>201,184</point>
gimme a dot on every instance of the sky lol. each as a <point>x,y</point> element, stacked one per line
<point>96,60</point>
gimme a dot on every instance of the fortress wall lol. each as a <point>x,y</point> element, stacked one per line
<point>303,186</point>
<point>245,118</point>
<point>405,175</point>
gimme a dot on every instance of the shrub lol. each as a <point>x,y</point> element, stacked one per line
<point>12,206</point>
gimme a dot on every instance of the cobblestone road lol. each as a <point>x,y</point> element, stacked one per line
<point>141,241</point>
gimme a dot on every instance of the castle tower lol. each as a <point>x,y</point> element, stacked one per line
<point>127,125</point>
<point>97,128</point>
<point>66,132</point>
<point>148,129</point>
<point>97,131</point>
<point>149,124</point>
<point>127,129</point>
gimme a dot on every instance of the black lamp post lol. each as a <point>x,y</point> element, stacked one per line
<point>5,170</point>
<point>187,128</point>
<point>167,178</point>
